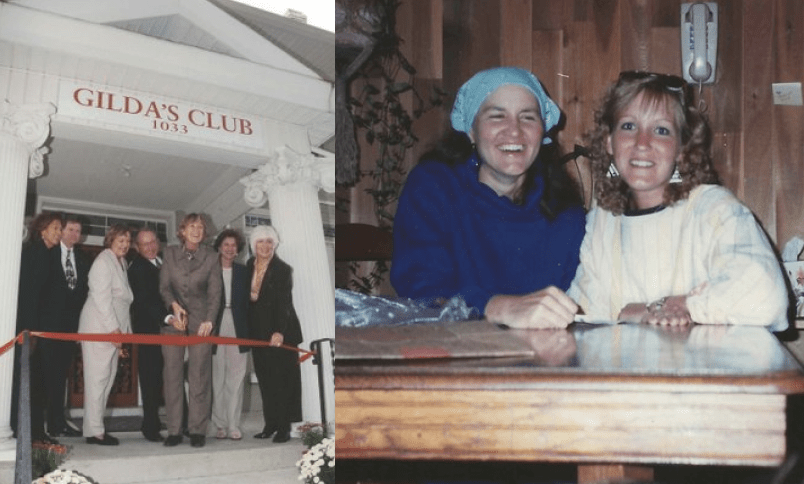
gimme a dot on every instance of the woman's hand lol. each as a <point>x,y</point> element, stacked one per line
<point>205,329</point>
<point>547,308</point>
<point>179,320</point>
<point>667,311</point>
<point>277,339</point>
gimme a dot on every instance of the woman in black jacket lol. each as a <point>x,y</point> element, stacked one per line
<point>272,317</point>
<point>45,232</point>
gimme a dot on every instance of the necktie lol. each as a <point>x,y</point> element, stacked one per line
<point>69,271</point>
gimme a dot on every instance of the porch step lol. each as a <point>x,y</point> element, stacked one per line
<point>280,476</point>
<point>223,461</point>
<point>137,461</point>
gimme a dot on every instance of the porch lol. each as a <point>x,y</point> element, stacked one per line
<point>225,461</point>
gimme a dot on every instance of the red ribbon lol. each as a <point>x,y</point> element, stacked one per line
<point>155,339</point>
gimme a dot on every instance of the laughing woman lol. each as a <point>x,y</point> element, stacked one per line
<point>486,216</point>
<point>664,244</point>
<point>191,287</point>
<point>106,311</point>
<point>45,230</point>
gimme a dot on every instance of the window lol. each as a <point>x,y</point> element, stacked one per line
<point>98,218</point>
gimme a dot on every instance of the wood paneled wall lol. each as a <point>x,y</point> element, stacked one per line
<point>578,47</point>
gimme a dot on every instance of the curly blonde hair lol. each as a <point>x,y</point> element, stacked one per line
<point>695,166</point>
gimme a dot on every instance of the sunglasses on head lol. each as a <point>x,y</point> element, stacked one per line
<point>669,83</point>
<point>673,83</point>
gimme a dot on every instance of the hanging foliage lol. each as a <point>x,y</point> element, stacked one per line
<point>382,111</point>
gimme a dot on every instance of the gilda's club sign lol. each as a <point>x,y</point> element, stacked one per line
<point>141,111</point>
<point>163,116</point>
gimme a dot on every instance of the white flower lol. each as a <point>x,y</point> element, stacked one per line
<point>62,476</point>
<point>315,459</point>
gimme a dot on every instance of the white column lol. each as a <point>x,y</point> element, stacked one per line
<point>23,130</point>
<point>290,183</point>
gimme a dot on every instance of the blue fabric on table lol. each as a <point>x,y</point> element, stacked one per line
<point>353,309</point>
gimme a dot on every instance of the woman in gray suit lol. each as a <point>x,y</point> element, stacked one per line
<point>190,283</point>
<point>105,311</point>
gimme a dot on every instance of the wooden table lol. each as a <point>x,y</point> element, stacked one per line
<point>614,399</point>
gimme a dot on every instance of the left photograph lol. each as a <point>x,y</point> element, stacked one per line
<point>167,173</point>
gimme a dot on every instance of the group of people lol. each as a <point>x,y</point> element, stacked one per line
<point>191,289</point>
<point>490,214</point>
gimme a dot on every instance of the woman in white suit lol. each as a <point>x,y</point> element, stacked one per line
<point>106,311</point>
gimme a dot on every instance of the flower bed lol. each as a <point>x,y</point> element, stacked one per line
<point>317,465</point>
<point>46,457</point>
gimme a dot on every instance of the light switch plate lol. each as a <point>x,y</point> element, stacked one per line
<point>787,93</point>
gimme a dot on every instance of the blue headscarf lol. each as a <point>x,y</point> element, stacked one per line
<point>474,91</point>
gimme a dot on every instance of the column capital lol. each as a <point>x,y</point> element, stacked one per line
<point>29,124</point>
<point>287,167</point>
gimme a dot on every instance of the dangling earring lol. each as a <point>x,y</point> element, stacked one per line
<point>612,171</point>
<point>676,178</point>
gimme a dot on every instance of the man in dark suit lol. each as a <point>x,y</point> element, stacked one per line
<point>148,314</point>
<point>65,294</point>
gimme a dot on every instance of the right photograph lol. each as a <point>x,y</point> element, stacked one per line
<point>567,240</point>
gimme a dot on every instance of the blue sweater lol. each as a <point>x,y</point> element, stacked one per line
<point>455,236</point>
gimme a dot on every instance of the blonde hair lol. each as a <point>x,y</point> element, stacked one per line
<point>695,166</point>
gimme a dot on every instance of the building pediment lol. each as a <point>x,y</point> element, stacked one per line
<point>200,67</point>
<point>222,26</point>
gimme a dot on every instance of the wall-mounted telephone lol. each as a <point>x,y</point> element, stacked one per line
<point>699,42</point>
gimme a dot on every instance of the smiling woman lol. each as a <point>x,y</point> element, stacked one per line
<point>105,311</point>
<point>508,132</point>
<point>272,317</point>
<point>669,253</point>
<point>647,147</point>
<point>191,287</point>
<point>487,215</point>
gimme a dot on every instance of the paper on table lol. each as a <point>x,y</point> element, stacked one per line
<point>457,339</point>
